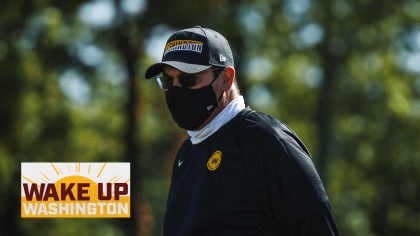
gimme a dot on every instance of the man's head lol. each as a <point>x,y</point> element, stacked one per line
<point>194,50</point>
<point>197,76</point>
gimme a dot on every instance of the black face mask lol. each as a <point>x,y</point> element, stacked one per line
<point>190,108</point>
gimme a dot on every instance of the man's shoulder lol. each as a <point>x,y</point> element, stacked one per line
<point>251,126</point>
<point>258,124</point>
<point>186,142</point>
<point>259,129</point>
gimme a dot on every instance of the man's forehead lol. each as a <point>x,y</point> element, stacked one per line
<point>169,69</point>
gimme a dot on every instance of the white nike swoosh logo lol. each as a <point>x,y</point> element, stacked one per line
<point>179,162</point>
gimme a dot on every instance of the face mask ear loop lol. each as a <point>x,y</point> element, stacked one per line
<point>218,71</point>
<point>218,100</point>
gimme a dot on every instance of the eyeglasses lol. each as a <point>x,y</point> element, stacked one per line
<point>185,79</point>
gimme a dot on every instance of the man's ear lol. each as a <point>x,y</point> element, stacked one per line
<point>230,75</point>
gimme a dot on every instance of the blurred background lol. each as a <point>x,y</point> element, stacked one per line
<point>343,74</point>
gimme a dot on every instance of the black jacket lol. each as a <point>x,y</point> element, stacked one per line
<point>265,183</point>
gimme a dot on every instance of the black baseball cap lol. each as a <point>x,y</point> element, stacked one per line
<point>193,50</point>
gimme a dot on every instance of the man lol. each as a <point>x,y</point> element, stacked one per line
<point>240,172</point>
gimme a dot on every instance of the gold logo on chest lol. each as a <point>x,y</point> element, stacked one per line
<point>214,162</point>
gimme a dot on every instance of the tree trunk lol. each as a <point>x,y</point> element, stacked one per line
<point>122,33</point>
<point>326,105</point>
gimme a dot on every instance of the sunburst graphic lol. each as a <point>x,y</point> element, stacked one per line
<point>73,177</point>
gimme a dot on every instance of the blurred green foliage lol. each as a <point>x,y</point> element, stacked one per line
<point>344,75</point>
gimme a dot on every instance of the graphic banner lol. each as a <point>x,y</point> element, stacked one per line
<point>75,190</point>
